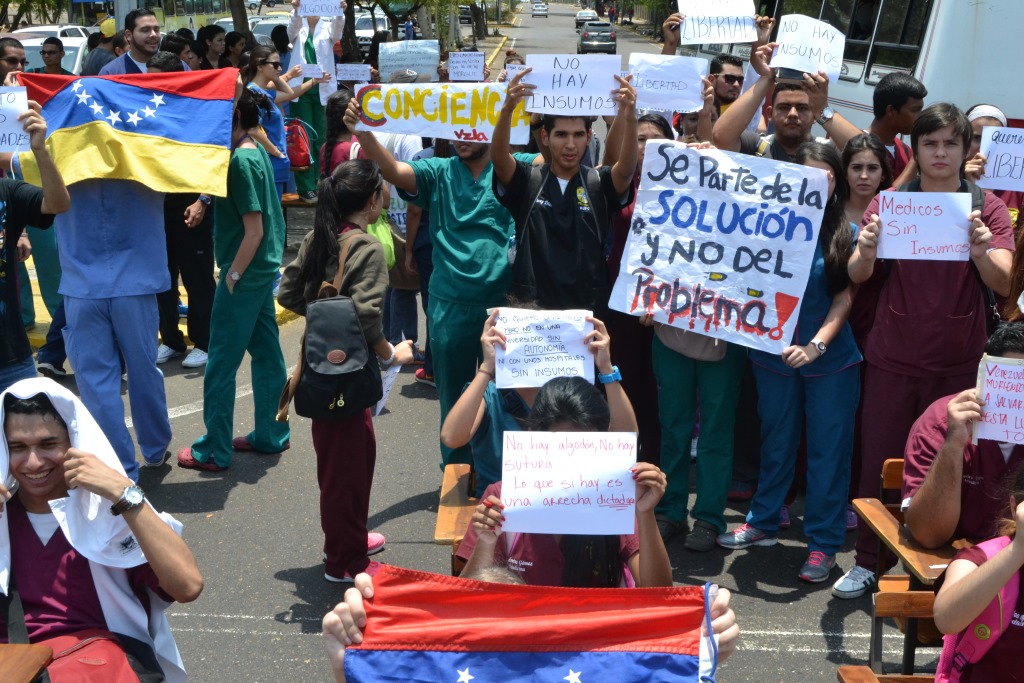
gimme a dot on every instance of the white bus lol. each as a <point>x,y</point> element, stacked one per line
<point>962,50</point>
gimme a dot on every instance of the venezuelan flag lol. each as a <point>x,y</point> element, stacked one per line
<point>426,627</point>
<point>169,131</point>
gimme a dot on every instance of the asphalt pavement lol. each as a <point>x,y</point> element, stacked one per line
<point>255,528</point>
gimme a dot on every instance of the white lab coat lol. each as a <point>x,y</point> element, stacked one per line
<point>326,33</point>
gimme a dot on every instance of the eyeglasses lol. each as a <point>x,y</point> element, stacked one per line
<point>48,53</point>
<point>276,65</point>
<point>730,78</point>
<point>14,61</point>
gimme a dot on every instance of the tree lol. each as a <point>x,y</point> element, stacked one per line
<point>240,17</point>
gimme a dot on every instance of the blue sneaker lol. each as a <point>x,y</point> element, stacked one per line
<point>745,536</point>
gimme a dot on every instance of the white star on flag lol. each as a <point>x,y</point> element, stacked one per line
<point>134,118</point>
<point>114,117</point>
<point>464,676</point>
<point>149,112</point>
<point>157,100</point>
<point>573,677</point>
<point>83,97</point>
<point>75,86</point>
<point>96,108</point>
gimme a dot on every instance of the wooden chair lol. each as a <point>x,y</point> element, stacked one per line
<point>862,674</point>
<point>23,663</point>
<point>455,509</point>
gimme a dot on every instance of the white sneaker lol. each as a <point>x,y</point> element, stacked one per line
<point>196,358</point>
<point>165,353</point>
<point>853,583</point>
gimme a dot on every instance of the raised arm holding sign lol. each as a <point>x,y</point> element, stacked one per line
<point>13,101</point>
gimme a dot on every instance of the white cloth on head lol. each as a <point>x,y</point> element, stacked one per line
<point>987,111</point>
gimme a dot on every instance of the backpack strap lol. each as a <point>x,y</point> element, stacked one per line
<point>534,186</point>
<point>764,146</point>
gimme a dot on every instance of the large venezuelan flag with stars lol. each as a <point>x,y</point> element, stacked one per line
<point>429,628</point>
<point>169,131</point>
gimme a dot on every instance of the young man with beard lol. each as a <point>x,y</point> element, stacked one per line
<point>142,31</point>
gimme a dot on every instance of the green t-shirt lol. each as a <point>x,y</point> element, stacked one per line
<point>469,228</point>
<point>250,188</point>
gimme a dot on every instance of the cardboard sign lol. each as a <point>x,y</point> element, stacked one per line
<point>924,226</point>
<point>13,103</point>
<point>1001,392</point>
<point>577,84</point>
<point>540,345</point>
<point>569,482</point>
<point>321,8</point>
<point>420,56</point>
<point>721,244</point>
<point>1004,153</point>
<point>809,45</point>
<point>451,111</point>
<point>717,21</point>
<point>312,71</point>
<point>668,83</point>
<point>466,66</point>
<point>359,73</point>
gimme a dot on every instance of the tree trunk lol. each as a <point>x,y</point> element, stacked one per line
<point>349,42</point>
<point>22,9</point>
<point>424,20</point>
<point>479,21</point>
<point>241,18</point>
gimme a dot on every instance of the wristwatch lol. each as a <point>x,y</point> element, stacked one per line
<point>131,498</point>
<point>826,115</point>
<point>205,199</point>
<point>234,276</point>
<point>613,376</point>
<point>820,345</point>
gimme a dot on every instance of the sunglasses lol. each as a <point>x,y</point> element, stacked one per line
<point>276,65</point>
<point>14,61</point>
<point>730,78</point>
<point>48,53</point>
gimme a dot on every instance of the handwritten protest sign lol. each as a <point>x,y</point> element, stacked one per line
<point>512,69</point>
<point>312,71</point>
<point>466,66</point>
<point>667,83</point>
<point>1004,153</point>
<point>321,8</point>
<point>359,73</point>
<point>721,244</point>
<point>388,380</point>
<point>717,21</point>
<point>924,226</point>
<point>540,345</point>
<point>13,103</point>
<point>1001,391</point>
<point>568,482</point>
<point>809,45</point>
<point>420,56</point>
<point>581,84</point>
<point>451,111</point>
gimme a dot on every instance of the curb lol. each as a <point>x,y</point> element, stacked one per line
<point>494,54</point>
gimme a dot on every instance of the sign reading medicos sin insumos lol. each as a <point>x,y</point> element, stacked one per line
<point>451,111</point>
<point>721,244</point>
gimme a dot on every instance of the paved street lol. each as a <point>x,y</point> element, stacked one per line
<point>255,528</point>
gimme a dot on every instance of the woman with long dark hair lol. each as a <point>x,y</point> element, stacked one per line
<point>210,41</point>
<point>346,449</point>
<point>806,385</point>
<point>338,139</point>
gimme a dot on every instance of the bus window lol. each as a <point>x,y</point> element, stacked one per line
<point>897,43</point>
<point>217,6</point>
<point>190,7</point>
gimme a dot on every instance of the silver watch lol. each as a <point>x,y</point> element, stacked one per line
<point>826,115</point>
<point>131,498</point>
<point>234,276</point>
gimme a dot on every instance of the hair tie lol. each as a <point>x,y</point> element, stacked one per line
<point>987,111</point>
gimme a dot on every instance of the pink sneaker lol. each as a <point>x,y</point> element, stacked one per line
<point>371,569</point>
<point>374,543</point>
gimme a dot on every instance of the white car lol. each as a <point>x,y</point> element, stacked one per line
<point>228,24</point>
<point>267,24</point>
<point>74,53</point>
<point>540,10</point>
<point>366,27</point>
<point>57,31</point>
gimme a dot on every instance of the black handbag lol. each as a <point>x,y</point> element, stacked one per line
<point>337,375</point>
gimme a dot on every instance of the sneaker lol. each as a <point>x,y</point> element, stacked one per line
<point>52,371</point>
<point>159,462</point>
<point>745,536</point>
<point>188,461</point>
<point>851,518</point>
<point>784,521</point>
<point>670,528</point>
<point>423,378</point>
<point>854,583</point>
<point>196,358</point>
<point>740,492</point>
<point>241,443</point>
<point>308,197</point>
<point>371,569</point>
<point>374,543</point>
<point>817,567</point>
<point>701,538</point>
<point>419,356</point>
<point>165,353</point>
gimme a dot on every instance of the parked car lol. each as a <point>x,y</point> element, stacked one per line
<point>540,10</point>
<point>74,51</point>
<point>266,25</point>
<point>366,26</point>
<point>465,14</point>
<point>585,15</point>
<point>253,6</point>
<point>596,36</point>
<point>57,31</point>
<point>228,24</point>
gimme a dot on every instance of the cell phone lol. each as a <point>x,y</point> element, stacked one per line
<point>794,76</point>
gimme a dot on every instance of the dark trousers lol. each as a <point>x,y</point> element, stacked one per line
<point>425,265</point>
<point>53,351</point>
<point>633,354</point>
<point>190,254</point>
<point>346,452</point>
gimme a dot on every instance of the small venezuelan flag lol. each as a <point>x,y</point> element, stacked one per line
<point>169,131</point>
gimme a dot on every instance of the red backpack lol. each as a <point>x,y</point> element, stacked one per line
<point>300,150</point>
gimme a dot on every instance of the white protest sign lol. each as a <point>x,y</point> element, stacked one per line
<point>1001,391</point>
<point>569,482</point>
<point>13,103</point>
<point>420,56</point>
<point>512,69</point>
<point>540,345</point>
<point>717,21</point>
<point>668,83</point>
<point>321,8</point>
<point>466,66</point>
<point>451,111</point>
<point>312,71</point>
<point>578,84</point>
<point>721,244</point>
<point>388,380</point>
<point>1004,158</point>
<point>359,73</point>
<point>809,45</point>
<point>924,226</point>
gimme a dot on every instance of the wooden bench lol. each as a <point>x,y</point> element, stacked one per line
<point>23,663</point>
<point>863,674</point>
<point>455,510</point>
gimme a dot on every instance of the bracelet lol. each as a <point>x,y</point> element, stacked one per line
<point>486,372</point>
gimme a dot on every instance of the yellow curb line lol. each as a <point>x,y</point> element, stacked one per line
<point>494,54</point>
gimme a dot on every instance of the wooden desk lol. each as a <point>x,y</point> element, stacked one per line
<point>454,509</point>
<point>22,663</point>
<point>862,674</point>
<point>924,565</point>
